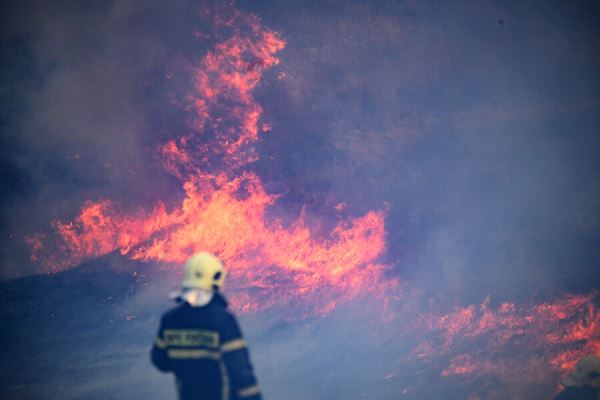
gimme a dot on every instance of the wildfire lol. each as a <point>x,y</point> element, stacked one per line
<point>225,208</point>
<point>508,339</point>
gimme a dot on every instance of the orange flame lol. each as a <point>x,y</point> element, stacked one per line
<point>493,341</point>
<point>225,209</point>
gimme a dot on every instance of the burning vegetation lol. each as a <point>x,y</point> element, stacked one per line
<point>225,207</point>
<point>488,340</point>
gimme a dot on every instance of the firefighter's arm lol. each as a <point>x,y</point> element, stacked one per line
<point>237,361</point>
<point>158,354</point>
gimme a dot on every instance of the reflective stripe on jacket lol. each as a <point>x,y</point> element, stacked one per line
<point>204,348</point>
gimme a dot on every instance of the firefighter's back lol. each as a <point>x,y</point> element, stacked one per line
<point>201,342</point>
<point>191,337</point>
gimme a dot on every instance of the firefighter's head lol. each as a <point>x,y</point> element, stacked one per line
<point>204,271</point>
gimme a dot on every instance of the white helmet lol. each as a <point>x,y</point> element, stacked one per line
<point>204,271</point>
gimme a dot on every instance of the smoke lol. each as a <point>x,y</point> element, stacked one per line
<point>87,85</point>
<point>356,350</point>
<point>478,138</point>
<point>485,158</point>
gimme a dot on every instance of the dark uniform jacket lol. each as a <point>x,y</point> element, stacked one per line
<point>204,348</point>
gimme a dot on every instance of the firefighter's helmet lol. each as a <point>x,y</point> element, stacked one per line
<point>204,271</point>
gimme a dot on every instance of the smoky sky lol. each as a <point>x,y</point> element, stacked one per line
<point>475,125</point>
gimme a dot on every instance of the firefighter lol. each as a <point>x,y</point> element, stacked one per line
<point>200,340</point>
<point>584,382</point>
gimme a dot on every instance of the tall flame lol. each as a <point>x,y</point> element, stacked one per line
<point>225,209</point>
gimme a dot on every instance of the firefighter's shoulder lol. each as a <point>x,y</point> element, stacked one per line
<point>218,309</point>
<point>172,314</point>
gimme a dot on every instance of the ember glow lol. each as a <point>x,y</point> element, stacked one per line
<point>226,208</point>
